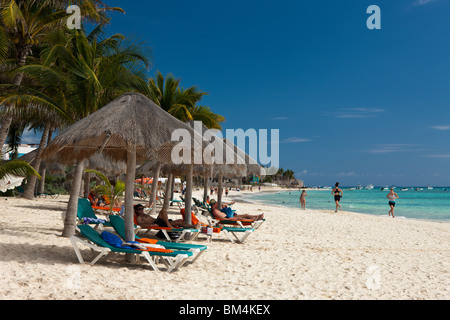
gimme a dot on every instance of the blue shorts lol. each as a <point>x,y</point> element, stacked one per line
<point>228,211</point>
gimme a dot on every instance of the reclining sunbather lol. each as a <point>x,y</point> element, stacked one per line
<point>221,215</point>
<point>145,220</point>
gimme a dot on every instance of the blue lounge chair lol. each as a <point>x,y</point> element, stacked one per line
<point>119,226</point>
<point>91,238</point>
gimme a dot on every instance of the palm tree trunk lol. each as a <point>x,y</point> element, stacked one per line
<point>87,187</point>
<point>188,196</point>
<point>31,185</point>
<point>155,187</point>
<point>172,187</point>
<point>219,191</point>
<point>72,206</point>
<point>129,190</point>
<point>7,119</point>
<point>205,187</point>
<point>41,187</point>
<point>167,199</point>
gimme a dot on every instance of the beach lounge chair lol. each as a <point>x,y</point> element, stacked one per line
<point>200,205</point>
<point>45,195</point>
<point>119,226</point>
<point>115,209</point>
<point>179,202</point>
<point>91,238</point>
<point>239,234</point>
<point>18,191</point>
<point>182,233</point>
<point>86,214</point>
<point>237,223</point>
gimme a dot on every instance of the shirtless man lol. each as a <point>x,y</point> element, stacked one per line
<point>145,220</point>
<point>221,215</point>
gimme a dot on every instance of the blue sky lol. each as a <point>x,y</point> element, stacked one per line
<point>352,105</point>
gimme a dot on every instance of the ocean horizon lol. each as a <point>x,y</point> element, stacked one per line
<point>414,203</point>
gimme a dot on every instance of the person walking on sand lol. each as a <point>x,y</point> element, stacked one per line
<point>392,196</point>
<point>337,192</point>
<point>303,196</point>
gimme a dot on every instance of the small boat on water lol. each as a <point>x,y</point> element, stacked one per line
<point>404,189</point>
<point>369,187</point>
<point>430,188</point>
<point>384,188</point>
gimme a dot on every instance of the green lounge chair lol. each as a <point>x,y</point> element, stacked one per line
<point>91,238</point>
<point>228,231</point>
<point>240,223</point>
<point>244,232</point>
<point>119,226</point>
<point>85,211</point>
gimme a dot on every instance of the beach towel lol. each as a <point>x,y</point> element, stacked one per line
<point>117,242</point>
<point>87,220</point>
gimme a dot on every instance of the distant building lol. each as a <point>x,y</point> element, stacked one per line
<point>23,149</point>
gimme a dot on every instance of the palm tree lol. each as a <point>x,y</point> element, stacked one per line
<point>204,114</point>
<point>113,192</point>
<point>17,168</point>
<point>25,23</point>
<point>182,103</point>
<point>77,75</point>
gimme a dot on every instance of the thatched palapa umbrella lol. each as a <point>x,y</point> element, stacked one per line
<point>131,128</point>
<point>232,162</point>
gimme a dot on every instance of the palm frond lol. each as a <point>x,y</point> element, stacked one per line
<point>17,168</point>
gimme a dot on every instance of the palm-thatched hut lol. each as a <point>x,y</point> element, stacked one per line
<point>131,128</point>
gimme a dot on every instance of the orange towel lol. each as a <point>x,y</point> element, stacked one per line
<point>194,220</point>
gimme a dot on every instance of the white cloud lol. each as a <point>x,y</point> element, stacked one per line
<point>388,148</point>
<point>30,137</point>
<point>355,113</point>
<point>295,140</point>
<point>442,128</point>
<point>418,3</point>
<point>438,156</point>
<point>346,174</point>
<point>280,118</point>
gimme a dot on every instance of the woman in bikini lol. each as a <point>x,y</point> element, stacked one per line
<point>392,196</point>
<point>337,195</point>
<point>303,196</point>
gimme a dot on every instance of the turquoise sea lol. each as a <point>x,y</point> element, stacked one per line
<point>424,204</point>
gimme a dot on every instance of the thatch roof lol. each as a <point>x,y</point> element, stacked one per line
<point>131,122</point>
<point>51,166</point>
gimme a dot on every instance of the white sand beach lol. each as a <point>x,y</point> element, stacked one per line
<point>294,255</point>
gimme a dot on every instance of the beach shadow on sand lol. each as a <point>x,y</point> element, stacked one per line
<point>41,207</point>
<point>35,253</point>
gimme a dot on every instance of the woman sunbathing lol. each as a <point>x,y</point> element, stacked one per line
<point>222,216</point>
